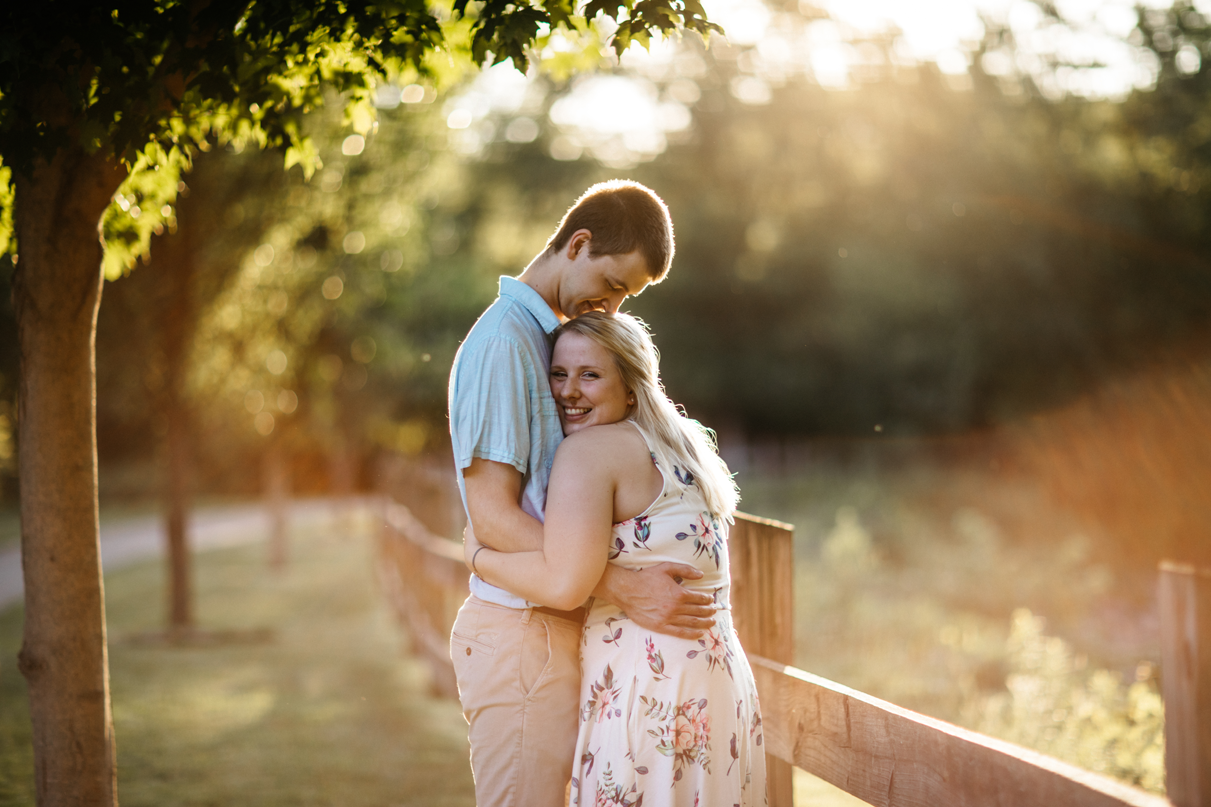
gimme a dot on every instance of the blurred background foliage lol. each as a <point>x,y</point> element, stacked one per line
<point>948,316</point>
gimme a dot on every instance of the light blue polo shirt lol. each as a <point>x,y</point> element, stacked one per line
<point>501,408</point>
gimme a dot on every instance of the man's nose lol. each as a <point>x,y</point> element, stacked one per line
<point>612,304</point>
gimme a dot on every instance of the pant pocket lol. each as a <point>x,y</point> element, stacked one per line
<point>461,645</point>
<point>535,656</point>
<point>468,640</point>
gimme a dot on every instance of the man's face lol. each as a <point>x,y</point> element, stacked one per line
<point>601,283</point>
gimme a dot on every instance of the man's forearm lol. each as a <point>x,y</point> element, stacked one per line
<point>612,586</point>
<point>509,531</point>
<point>493,501</point>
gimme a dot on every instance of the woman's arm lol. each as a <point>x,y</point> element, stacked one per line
<point>579,519</point>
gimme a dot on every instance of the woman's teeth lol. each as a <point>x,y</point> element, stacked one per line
<point>569,410</point>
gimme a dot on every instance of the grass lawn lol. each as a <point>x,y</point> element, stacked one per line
<point>329,712</point>
<point>972,599</point>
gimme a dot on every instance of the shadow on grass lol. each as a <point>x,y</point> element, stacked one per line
<point>328,710</point>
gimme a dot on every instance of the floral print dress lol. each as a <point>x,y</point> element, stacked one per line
<point>668,721</point>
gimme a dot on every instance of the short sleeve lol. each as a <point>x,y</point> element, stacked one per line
<point>490,404</point>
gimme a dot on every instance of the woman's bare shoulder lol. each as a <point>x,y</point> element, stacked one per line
<point>618,440</point>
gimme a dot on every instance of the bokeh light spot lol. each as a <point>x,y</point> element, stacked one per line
<point>354,242</point>
<point>751,90</point>
<point>684,91</point>
<point>387,96</point>
<point>263,423</point>
<point>333,287</point>
<point>275,362</point>
<point>288,401</point>
<point>263,255</point>
<point>393,217</point>
<point>521,130</point>
<point>353,145</point>
<point>279,301</point>
<point>392,260</point>
<point>762,236</point>
<point>459,119</point>
<point>1188,60</point>
<point>565,149</point>
<point>331,179</point>
<point>254,401</point>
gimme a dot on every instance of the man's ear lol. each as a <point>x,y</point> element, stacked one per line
<point>579,240</point>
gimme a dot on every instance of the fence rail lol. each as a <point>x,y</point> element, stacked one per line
<point>879,752</point>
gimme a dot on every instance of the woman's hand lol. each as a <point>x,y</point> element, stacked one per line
<point>470,546</point>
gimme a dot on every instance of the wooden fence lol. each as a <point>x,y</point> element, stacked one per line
<point>877,751</point>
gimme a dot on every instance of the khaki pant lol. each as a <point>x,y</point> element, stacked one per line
<point>519,683</point>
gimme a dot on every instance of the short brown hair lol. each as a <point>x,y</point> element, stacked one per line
<point>623,216</point>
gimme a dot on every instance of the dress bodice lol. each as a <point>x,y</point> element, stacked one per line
<point>677,527</point>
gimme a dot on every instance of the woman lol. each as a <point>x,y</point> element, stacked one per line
<point>663,720</point>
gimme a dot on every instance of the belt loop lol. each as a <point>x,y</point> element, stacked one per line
<point>525,616</point>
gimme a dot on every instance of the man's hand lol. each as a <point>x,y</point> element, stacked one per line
<point>655,599</point>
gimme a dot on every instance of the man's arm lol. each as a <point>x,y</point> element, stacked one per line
<point>494,504</point>
<point>655,599</point>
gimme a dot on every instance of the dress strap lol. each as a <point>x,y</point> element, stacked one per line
<point>646,440</point>
<point>664,477</point>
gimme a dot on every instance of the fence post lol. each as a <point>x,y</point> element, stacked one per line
<point>762,554</point>
<point>1185,606</point>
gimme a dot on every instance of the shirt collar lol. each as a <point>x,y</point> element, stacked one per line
<point>514,289</point>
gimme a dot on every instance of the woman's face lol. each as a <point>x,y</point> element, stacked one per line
<point>586,384</point>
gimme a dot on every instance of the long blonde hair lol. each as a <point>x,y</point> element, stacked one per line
<point>679,443</point>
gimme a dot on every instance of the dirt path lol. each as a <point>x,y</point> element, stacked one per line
<point>139,538</point>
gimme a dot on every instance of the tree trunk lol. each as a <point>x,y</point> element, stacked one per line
<point>341,473</point>
<point>180,606</point>
<point>177,323</point>
<point>276,481</point>
<point>56,292</point>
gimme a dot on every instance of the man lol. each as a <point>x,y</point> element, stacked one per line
<point>518,664</point>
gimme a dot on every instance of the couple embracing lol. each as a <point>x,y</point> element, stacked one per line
<point>597,645</point>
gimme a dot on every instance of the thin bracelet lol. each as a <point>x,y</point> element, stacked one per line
<point>473,557</point>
